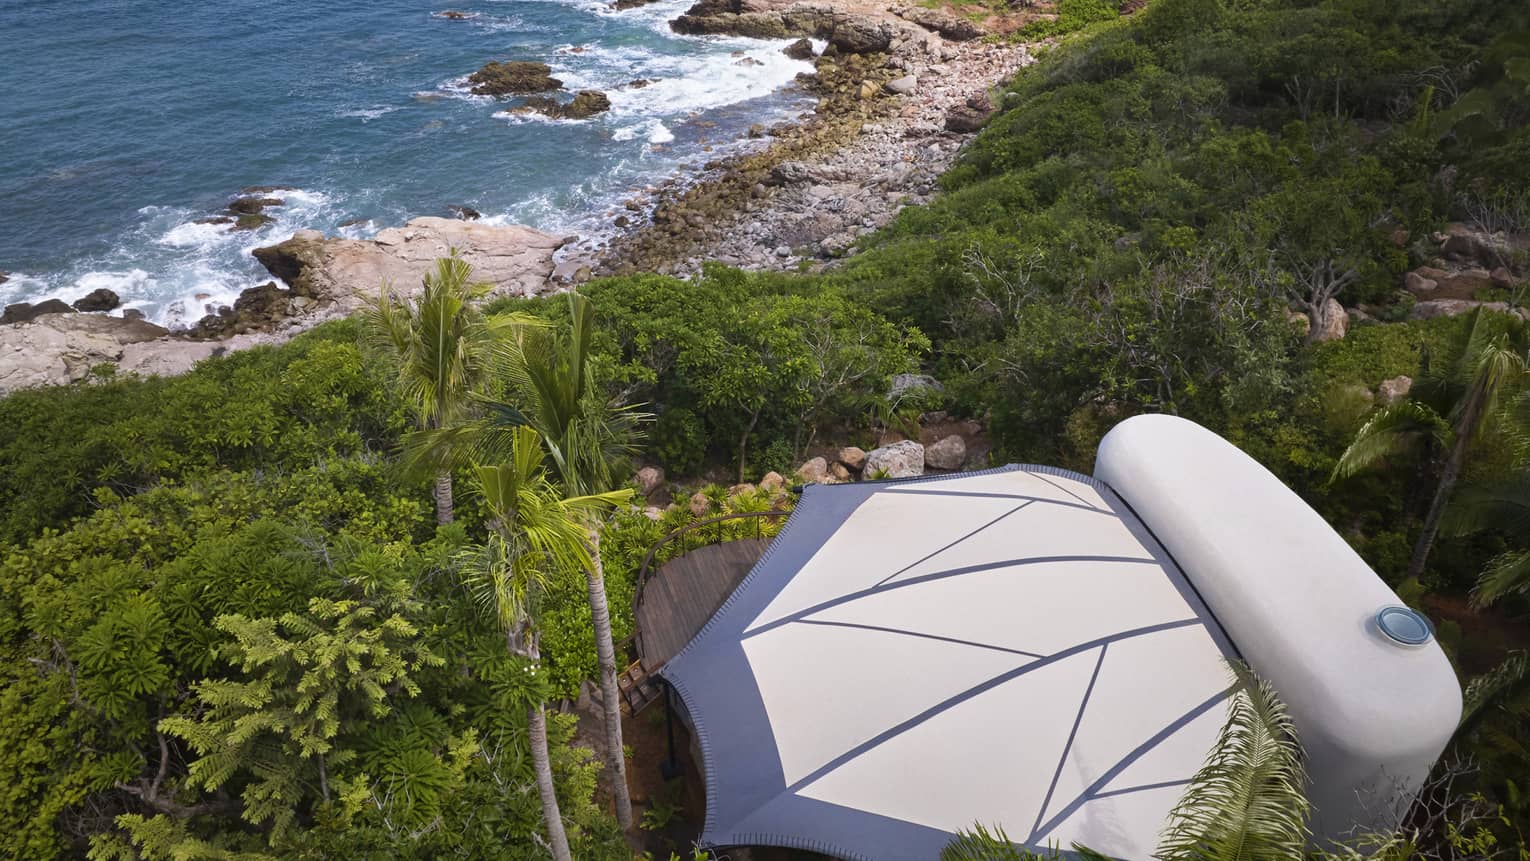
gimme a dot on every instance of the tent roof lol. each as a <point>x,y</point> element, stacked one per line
<point>910,658</point>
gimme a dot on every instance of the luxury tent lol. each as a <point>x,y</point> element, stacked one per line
<point>1045,651</point>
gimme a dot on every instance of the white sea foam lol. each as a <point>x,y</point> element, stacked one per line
<point>366,115</point>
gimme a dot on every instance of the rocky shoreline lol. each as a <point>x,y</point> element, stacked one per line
<point>898,91</point>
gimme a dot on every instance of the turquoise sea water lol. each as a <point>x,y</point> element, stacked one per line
<point>121,123</point>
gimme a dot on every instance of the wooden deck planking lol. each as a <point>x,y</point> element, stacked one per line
<point>683,594</point>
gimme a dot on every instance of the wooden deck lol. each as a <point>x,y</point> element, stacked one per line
<point>682,595</point>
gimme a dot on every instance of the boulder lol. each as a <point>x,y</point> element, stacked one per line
<point>904,385</point>
<point>624,5</point>
<point>860,36</point>
<point>790,173</point>
<point>349,272</point>
<point>454,15</point>
<point>852,457</point>
<point>588,103</point>
<point>772,481</point>
<point>948,453</point>
<point>838,472</point>
<point>257,309</point>
<point>1418,285</point>
<point>1393,390</point>
<point>700,504</point>
<point>899,460</point>
<point>815,471</point>
<point>802,49</point>
<point>964,119</point>
<point>868,90</point>
<point>649,480</point>
<point>949,26</point>
<point>4,277</point>
<point>902,86</point>
<point>1300,322</point>
<point>743,489</point>
<point>516,77</point>
<point>465,213</point>
<point>1332,323</point>
<point>1429,309</point>
<point>1465,284</point>
<point>22,312</point>
<point>99,299</point>
<point>1502,277</point>
<point>132,314</point>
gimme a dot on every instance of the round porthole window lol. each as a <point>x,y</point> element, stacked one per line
<point>1404,625</point>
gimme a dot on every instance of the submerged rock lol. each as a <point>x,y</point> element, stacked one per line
<point>586,104</point>
<point>802,49</point>
<point>516,77</point>
<point>465,213</point>
<point>253,205</point>
<point>100,299</point>
<point>252,221</point>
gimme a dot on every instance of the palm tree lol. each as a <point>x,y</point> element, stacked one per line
<point>1502,506</point>
<point>534,533</point>
<point>1246,803</point>
<point>1454,404</point>
<point>442,345</point>
<point>583,435</point>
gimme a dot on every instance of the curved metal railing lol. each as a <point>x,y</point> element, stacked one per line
<point>645,571</point>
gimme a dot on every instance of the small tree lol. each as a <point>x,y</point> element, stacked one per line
<point>534,533</point>
<point>442,345</point>
<point>1453,405</point>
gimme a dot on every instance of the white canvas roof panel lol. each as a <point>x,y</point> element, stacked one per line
<point>1009,647</point>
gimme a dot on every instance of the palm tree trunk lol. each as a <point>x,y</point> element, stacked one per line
<point>537,722</point>
<point>1448,478</point>
<point>443,494</point>
<point>605,650</point>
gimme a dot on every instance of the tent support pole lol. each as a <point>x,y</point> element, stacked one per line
<point>670,767</point>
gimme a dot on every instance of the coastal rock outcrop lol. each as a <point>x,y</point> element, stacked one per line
<point>846,32</point>
<point>513,78</point>
<point>21,312</point>
<point>586,104</point>
<point>802,49</point>
<point>99,299</point>
<point>56,348</point>
<point>349,272</point>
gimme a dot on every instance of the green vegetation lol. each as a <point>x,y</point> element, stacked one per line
<point>234,625</point>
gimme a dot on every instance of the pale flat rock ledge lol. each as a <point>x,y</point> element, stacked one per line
<point>326,277</point>
<point>349,272</point>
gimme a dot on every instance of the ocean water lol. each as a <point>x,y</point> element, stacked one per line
<point>122,123</point>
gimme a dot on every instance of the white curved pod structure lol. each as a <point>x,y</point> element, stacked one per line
<point>1373,697</point>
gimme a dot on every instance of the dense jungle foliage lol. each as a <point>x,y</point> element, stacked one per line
<point>230,626</point>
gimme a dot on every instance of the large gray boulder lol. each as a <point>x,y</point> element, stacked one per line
<point>899,460</point>
<point>948,453</point>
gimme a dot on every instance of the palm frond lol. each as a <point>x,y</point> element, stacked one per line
<point>1505,574</point>
<point>1247,802</point>
<point>1490,691</point>
<point>1394,429</point>
<point>980,844</point>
